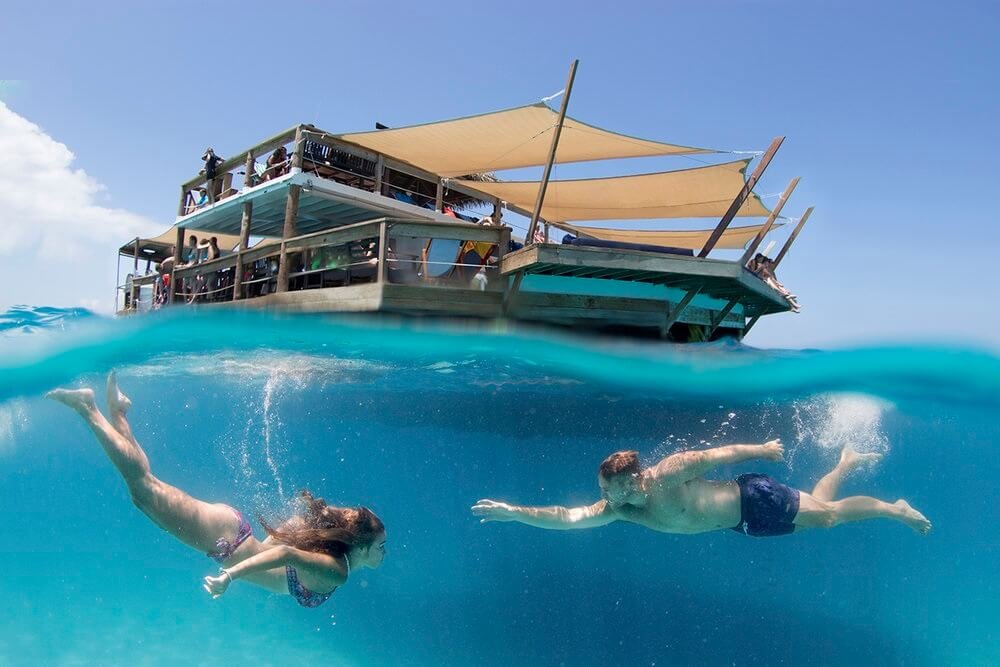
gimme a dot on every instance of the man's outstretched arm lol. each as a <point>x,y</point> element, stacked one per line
<point>553,518</point>
<point>684,466</point>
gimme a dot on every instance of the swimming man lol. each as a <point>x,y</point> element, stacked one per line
<point>673,497</point>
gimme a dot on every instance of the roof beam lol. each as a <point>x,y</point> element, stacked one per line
<point>745,192</point>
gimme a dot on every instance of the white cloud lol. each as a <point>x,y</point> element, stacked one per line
<point>50,217</point>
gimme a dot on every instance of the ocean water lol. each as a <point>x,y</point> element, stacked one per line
<point>418,422</point>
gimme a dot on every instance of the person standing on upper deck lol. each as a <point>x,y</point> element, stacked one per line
<point>212,162</point>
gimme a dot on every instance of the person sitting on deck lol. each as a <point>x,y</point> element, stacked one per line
<point>308,556</point>
<point>763,267</point>
<point>673,497</point>
<point>277,164</point>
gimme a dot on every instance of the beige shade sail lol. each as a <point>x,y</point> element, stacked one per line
<point>734,238</point>
<point>519,137</point>
<point>689,193</point>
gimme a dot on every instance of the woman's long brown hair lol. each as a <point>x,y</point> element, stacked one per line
<point>328,530</point>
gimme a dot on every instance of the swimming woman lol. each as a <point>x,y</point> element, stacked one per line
<point>673,497</point>
<point>307,556</point>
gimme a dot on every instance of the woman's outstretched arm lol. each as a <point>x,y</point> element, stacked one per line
<point>279,555</point>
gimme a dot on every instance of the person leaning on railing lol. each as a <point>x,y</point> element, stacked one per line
<point>277,164</point>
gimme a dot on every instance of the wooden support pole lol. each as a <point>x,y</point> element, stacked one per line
<point>383,240</point>
<point>298,149</point>
<point>439,197</point>
<point>674,314</point>
<point>717,321</point>
<point>135,272</point>
<point>289,231</point>
<point>795,232</point>
<point>497,212</point>
<point>248,171</point>
<point>180,207</point>
<point>752,248</point>
<point>379,173</point>
<point>245,224</point>
<point>737,204</point>
<point>178,247</point>
<point>552,155</point>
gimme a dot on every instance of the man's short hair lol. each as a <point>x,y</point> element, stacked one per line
<point>620,463</point>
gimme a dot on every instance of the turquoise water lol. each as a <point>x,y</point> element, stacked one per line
<point>418,423</point>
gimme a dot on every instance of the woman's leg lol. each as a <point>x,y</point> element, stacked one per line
<point>196,523</point>
<point>816,513</point>
<point>826,488</point>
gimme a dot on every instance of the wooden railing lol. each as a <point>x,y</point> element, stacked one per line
<point>366,252</point>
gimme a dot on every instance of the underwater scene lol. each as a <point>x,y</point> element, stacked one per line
<point>419,422</point>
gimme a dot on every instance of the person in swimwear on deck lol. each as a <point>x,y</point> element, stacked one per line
<point>672,497</point>
<point>307,556</point>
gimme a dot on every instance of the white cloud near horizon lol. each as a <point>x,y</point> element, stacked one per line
<point>51,217</point>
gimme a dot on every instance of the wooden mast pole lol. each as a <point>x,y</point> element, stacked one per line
<point>752,248</point>
<point>540,199</point>
<point>737,204</point>
<point>552,154</point>
<point>795,233</point>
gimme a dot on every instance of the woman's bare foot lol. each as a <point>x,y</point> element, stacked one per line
<point>81,400</point>
<point>913,518</point>
<point>850,459</point>
<point>118,403</point>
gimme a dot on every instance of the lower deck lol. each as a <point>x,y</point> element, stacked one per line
<point>422,268</point>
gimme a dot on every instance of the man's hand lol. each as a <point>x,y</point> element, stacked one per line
<point>773,450</point>
<point>493,510</point>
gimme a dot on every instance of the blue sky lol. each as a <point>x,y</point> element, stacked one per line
<point>891,112</point>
